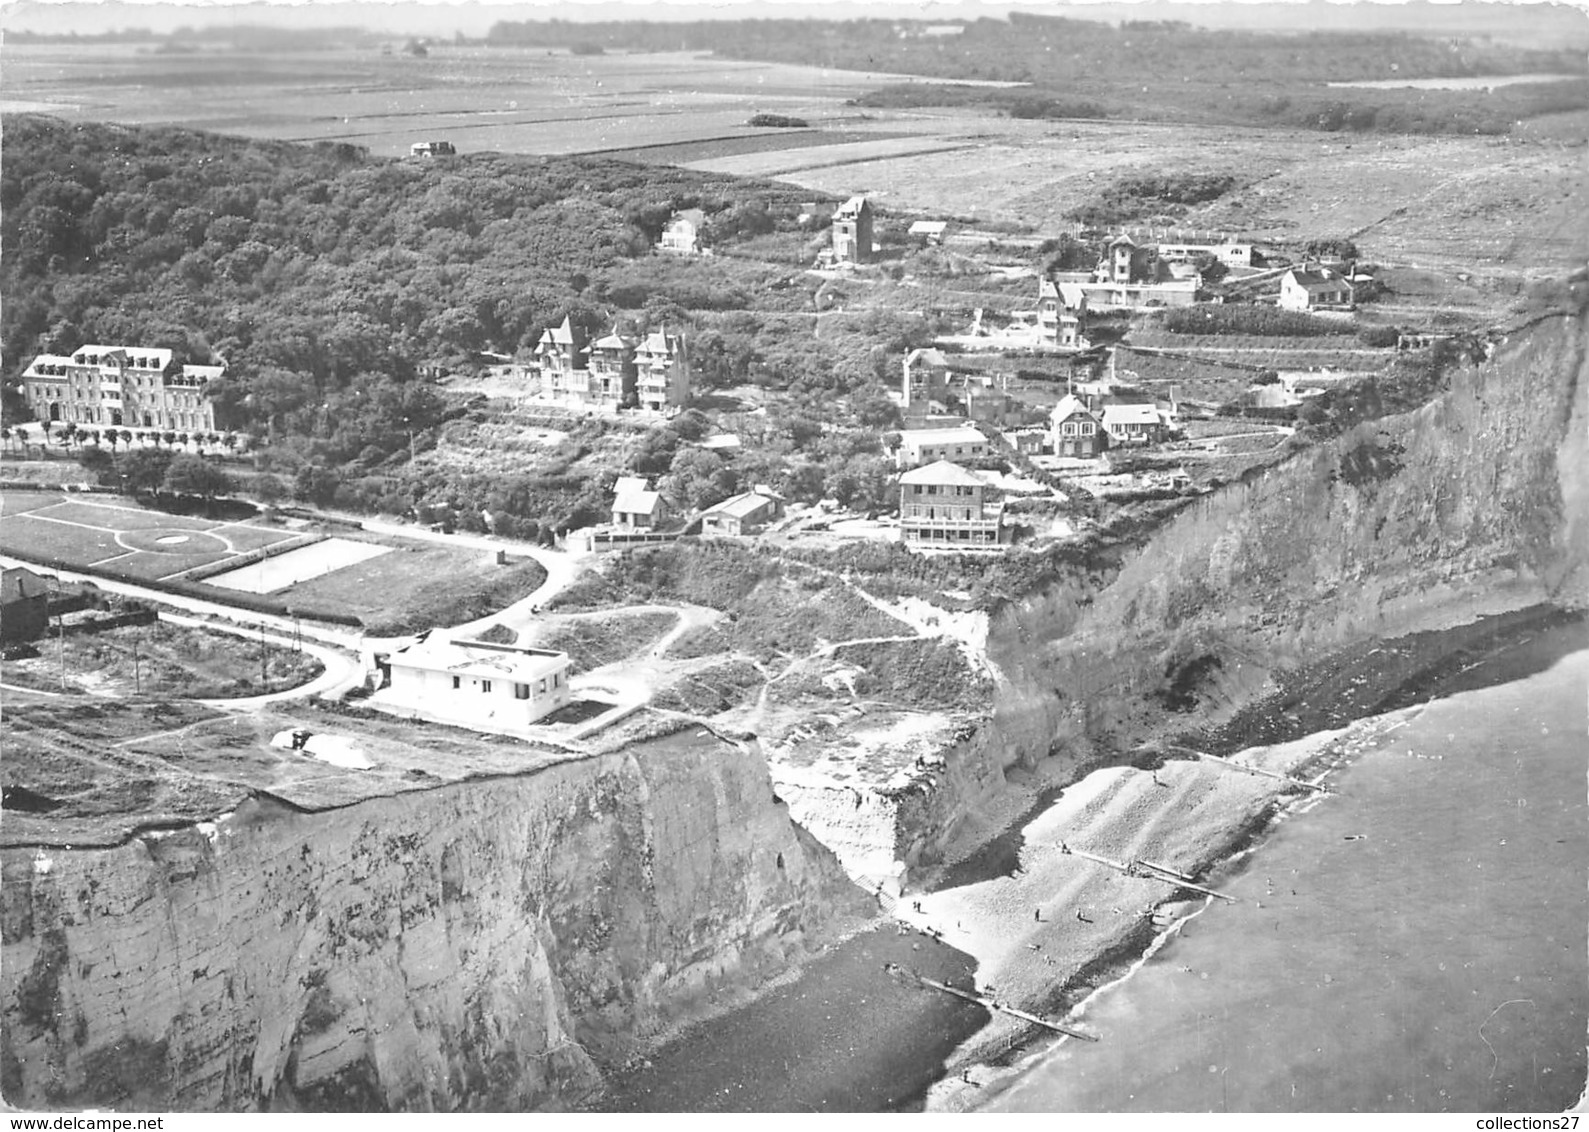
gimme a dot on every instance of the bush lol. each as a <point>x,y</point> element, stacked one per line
<point>1268,322</point>
<point>1378,336</point>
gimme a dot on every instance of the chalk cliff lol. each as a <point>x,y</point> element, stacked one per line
<point>482,945</point>
<point>1475,504</point>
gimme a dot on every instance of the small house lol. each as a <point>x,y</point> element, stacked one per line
<point>1318,289</point>
<point>1078,431</point>
<point>24,605</point>
<point>636,507</point>
<point>961,444</point>
<point>929,232</point>
<point>432,149</point>
<point>744,514</point>
<point>1133,423</point>
<point>683,232</point>
<point>852,231</point>
<point>478,684</point>
<point>927,378</point>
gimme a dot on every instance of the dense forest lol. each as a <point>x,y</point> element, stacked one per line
<point>324,277</point>
<point>1142,69</point>
<point>335,286</point>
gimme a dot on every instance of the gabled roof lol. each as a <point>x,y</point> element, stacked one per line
<point>1122,238</point>
<point>20,584</point>
<point>436,652</point>
<point>694,215</point>
<point>942,473</point>
<point>659,342</point>
<point>741,506</point>
<point>1069,295</point>
<point>1319,281</point>
<point>560,335</point>
<point>928,356</point>
<point>852,208</point>
<point>928,227</point>
<point>637,502</point>
<point>631,483</point>
<point>963,434</point>
<point>1070,406</point>
<point>1130,414</point>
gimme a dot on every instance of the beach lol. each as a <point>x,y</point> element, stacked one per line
<point>1043,929</point>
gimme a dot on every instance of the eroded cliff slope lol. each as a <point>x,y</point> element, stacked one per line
<point>1474,504</point>
<point>483,945</point>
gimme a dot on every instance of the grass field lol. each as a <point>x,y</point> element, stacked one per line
<point>406,584</point>
<point>119,534</point>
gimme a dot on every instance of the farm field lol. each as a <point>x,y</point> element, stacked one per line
<point>1489,206</point>
<point>509,99</point>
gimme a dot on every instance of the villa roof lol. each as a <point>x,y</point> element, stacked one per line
<point>942,473</point>
<point>851,208</point>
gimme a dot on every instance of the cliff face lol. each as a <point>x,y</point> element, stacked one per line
<point>483,945</point>
<point>1470,505</point>
<point>1477,503</point>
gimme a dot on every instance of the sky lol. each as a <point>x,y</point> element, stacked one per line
<point>475,17</point>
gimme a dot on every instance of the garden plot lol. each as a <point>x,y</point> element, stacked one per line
<point>272,574</point>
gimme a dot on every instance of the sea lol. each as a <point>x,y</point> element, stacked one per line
<point>1467,82</point>
<point>1414,943</point>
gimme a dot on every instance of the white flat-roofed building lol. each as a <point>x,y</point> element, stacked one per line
<point>919,446</point>
<point>476,684</point>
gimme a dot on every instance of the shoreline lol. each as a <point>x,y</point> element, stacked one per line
<point>1193,815</point>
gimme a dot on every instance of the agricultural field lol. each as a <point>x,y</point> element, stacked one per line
<point>512,100</point>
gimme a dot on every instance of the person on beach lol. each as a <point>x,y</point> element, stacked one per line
<point>1082,918</point>
<point>1037,914</point>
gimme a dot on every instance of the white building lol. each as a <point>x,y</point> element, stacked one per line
<point>476,684</point>
<point>918,446</point>
<point>123,386</point>
<point>1318,289</point>
<point>682,233</point>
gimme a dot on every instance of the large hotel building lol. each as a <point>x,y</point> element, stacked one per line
<point>121,386</point>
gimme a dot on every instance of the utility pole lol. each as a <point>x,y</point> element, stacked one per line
<point>264,680</point>
<point>137,676</point>
<point>60,639</point>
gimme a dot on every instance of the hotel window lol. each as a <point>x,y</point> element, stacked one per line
<point>540,689</point>
<point>521,691</point>
<point>485,685</point>
<point>557,679</point>
<point>457,682</point>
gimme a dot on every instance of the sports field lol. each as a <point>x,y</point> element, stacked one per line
<point>121,536</point>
